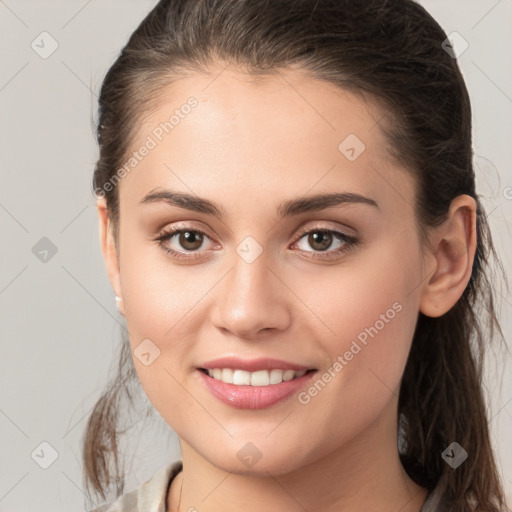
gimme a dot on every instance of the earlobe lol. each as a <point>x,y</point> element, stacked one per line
<point>109,251</point>
<point>452,252</point>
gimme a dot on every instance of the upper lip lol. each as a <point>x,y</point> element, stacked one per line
<point>252,365</point>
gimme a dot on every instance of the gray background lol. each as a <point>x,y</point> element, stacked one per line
<point>59,324</point>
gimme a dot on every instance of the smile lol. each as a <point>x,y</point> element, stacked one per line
<point>259,389</point>
<point>257,378</point>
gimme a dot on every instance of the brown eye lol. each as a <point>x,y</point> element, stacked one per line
<point>183,243</point>
<point>190,240</point>
<point>320,240</point>
<point>325,243</point>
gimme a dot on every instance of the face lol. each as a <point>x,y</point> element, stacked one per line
<point>263,277</point>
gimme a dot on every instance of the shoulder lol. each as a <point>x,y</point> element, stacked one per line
<point>150,496</point>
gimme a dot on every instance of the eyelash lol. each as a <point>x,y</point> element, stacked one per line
<point>350,242</point>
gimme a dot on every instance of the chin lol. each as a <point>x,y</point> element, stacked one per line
<point>250,461</point>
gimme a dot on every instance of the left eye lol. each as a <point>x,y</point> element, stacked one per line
<point>321,240</point>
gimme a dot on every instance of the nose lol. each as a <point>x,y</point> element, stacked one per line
<point>251,301</point>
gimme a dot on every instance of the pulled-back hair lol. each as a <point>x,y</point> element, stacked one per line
<point>387,50</point>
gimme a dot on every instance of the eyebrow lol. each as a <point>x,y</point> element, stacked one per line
<point>291,207</point>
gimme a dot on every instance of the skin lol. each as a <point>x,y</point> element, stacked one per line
<point>248,146</point>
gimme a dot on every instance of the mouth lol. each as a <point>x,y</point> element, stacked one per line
<point>253,384</point>
<point>259,378</point>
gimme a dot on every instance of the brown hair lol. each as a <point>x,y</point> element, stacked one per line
<point>388,50</point>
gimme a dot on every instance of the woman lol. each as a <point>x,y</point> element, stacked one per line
<point>289,221</point>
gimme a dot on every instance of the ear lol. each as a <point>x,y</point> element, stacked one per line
<point>450,258</point>
<point>109,251</point>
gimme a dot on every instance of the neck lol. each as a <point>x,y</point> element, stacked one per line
<point>363,474</point>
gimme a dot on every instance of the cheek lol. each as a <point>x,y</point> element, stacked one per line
<point>161,298</point>
<point>163,316</point>
<point>367,298</point>
<point>159,304</point>
<point>371,312</point>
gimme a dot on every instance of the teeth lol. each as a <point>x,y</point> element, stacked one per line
<point>288,375</point>
<point>276,376</point>
<point>240,378</point>
<point>259,378</point>
<point>226,376</point>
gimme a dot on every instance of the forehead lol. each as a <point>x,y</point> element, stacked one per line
<point>284,131</point>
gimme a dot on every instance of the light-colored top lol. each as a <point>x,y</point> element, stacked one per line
<point>151,496</point>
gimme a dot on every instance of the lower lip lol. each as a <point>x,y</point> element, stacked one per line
<point>253,397</point>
